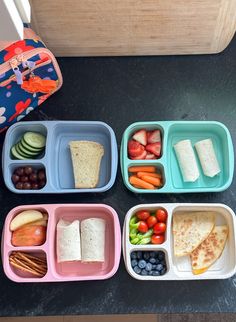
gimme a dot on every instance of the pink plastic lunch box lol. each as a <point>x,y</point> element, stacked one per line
<point>66,271</point>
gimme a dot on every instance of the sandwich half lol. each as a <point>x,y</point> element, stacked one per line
<point>86,159</point>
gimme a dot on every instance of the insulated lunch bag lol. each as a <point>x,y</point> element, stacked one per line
<point>29,74</point>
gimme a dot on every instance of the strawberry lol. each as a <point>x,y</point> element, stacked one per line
<point>135,148</point>
<point>140,157</point>
<point>141,136</point>
<point>150,156</point>
<point>154,148</point>
<point>154,136</point>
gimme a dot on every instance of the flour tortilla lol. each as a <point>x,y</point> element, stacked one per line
<point>209,250</point>
<point>68,241</point>
<point>187,161</point>
<point>93,240</point>
<point>207,157</point>
<point>190,230</point>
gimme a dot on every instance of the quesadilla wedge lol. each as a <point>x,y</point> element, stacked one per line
<point>190,230</point>
<point>209,250</point>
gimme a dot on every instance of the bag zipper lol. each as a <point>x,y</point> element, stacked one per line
<point>26,72</point>
<point>20,59</point>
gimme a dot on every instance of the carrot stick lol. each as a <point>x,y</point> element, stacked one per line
<point>155,181</point>
<point>154,175</point>
<point>138,182</point>
<point>142,168</point>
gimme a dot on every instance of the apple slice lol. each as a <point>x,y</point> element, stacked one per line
<point>141,136</point>
<point>25,217</point>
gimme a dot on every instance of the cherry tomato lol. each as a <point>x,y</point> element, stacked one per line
<point>151,221</point>
<point>158,239</point>
<point>142,227</point>
<point>143,214</point>
<point>159,228</point>
<point>161,215</point>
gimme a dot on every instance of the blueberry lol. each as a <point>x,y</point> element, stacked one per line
<point>156,273</point>
<point>163,271</point>
<point>148,267</point>
<point>133,255</point>
<point>152,260</point>
<point>157,261</point>
<point>150,273</point>
<point>161,256</point>
<point>154,266</point>
<point>144,272</point>
<point>134,262</point>
<point>146,255</point>
<point>139,255</point>
<point>153,254</point>
<point>142,263</point>
<point>137,270</point>
<point>159,267</point>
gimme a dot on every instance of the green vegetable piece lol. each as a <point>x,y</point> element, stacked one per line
<point>134,241</point>
<point>133,221</point>
<point>144,241</point>
<point>147,234</point>
<point>133,233</point>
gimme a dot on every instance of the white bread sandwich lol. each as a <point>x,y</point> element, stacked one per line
<point>86,159</point>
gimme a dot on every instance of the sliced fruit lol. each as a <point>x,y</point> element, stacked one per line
<point>25,217</point>
<point>141,136</point>
<point>29,236</point>
<point>150,156</point>
<point>153,136</point>
<point>141,156</point>
<point>154,148</point>
<point>35,140</point>
<point>135,148</point>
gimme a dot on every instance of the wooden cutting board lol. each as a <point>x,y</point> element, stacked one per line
<point>134,27</point>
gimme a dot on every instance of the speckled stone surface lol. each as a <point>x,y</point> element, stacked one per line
<point>120,91</point>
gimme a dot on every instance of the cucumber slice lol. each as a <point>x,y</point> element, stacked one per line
<point>15,154</point>
<point>24,155</point>
<point>26,151</point>
<point>35,140</point>
<point>30,148</point>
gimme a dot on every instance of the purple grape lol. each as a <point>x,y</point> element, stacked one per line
<point>15,178</point>
<point>28,170</point>
<point>19,171</point>
<point>41,175</point>
<point>24,179</point>
<point>19,185</point>
<point>33,177</point>
<point>34,186</point>
<point>26,186</point>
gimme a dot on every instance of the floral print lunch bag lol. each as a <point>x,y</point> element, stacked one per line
<point>29,74</point>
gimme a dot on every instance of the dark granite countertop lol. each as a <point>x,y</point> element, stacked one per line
<point>120,91</point>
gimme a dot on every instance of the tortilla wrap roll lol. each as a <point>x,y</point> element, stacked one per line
<point>207,157</point>
<point>187,161</point>
<point>68,241</point>
<point>93,240</point>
